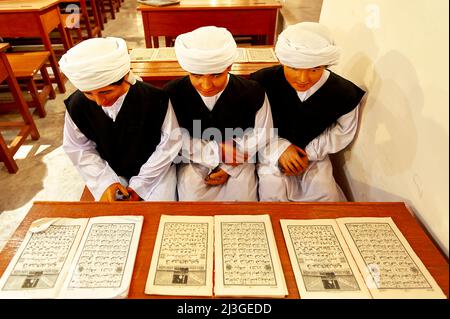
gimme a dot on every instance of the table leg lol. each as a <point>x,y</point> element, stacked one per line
<point>48,82</point>
<point>63,33</point>
<point>6,156</point>
<point>54,63</point>
<point>23,106</point>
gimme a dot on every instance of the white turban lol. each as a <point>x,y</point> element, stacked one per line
<point>96,63</point>
<point>306,45</point>
<point>206,50</point>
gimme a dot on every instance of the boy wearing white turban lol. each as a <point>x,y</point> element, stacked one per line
<point>117,129</point>
<point>315,112</point>
<point>226,119</point>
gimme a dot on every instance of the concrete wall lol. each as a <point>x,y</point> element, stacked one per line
<point>398,51</point>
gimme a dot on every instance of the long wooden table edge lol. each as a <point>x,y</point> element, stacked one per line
<point>430,255</point>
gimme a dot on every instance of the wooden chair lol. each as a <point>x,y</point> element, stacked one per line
<point>72,28</point>
<point>25,67</point>
<point>94,9</point>
<point>110,5</point>
<point>88,19</point>
<point>27,127</point>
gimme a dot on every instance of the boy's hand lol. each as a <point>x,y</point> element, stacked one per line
<point>217,177</point>
<point>134,197</point>
<point>293,161</point>
<point>109,195</point>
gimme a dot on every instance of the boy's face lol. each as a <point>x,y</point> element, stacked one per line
<point>210,84</point>
<point>303,79</point>
<point>108,95</point>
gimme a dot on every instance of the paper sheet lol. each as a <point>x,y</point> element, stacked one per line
<point>323,266</point>
<point>246,257</point>
<point>182,258</point>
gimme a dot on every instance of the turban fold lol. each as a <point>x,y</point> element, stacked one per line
<point>96,63</point>
<point>206,50</point>
<point>306,45</point>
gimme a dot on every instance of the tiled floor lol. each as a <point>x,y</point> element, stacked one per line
<point>45,172</point>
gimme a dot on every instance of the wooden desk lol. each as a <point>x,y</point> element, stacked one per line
<point>419,241</point>
<point>27,127</point>
<point>34,18</point>
<point>159,73</point>
<point>240,17</point>
<point>25,66</point>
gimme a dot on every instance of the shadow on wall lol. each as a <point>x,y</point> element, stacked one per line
<point>356,70</point>
<point>388,135</point>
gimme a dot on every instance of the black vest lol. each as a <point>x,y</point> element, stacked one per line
<point>300,122</point>
<point>127,143</point>
<point>236,107</point>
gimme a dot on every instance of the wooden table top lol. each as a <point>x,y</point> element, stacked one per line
<point>432,258</point>
<point>26,64</point>
<point>26,5</point>
<point>215,4</point>
<point>168,70</point>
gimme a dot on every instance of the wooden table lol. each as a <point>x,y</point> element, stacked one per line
<point>27,127</point>
<point>436,263</point>
<point>159,73</point>
<point>34,18</point>
<point>240,17</point>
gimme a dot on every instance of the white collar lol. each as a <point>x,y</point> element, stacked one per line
<point>303,95</point>
<point>210,101</point>
<point>113,110</point>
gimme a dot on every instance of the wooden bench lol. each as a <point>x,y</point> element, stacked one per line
<point>87,19</point>
<point>27,127</point>
<point>25,67</point>
<point>69,26</point>
<point>109,5</point>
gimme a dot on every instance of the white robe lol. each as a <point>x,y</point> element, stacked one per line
<point>317,182</point>
<point>156,180</point>
<point>204,157</point>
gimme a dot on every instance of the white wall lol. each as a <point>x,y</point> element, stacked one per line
<point>398,51</point>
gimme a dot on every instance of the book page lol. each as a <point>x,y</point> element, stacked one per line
<point>182,258</point>
<point>386,260</point>
<point>261,55</point>
<point>246,257</point>
<point>242,55</point>
<point>159,3</point>
<point>103,264</point>
<point>165,54</point>
<point>142,55</point>
<point>322,264</point>
<point>41,263</point>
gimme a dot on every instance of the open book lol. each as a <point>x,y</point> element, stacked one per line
<point>152,54</point>
<point>246,257</point>
<point>355,258</point>
<point>74,258</point>
<point>159,3</point>
<point>142,55</point>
